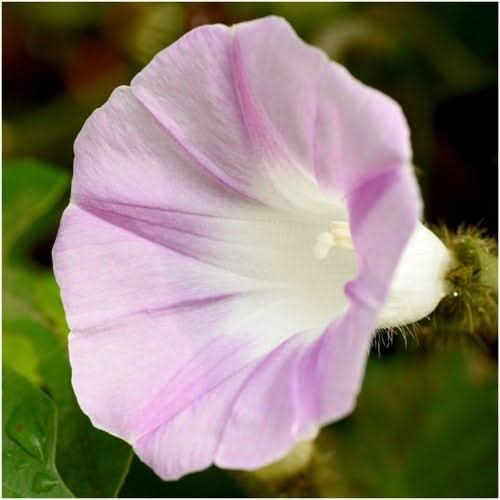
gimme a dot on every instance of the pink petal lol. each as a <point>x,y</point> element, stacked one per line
<point>148,323</point>
<point>279,92</point>
<point>107,272</point>
<point>190,90</point>
<point>318,116</point>
<point>189,441</point>
<point>181,341</point>
<point>131,164</point>
<point>360,132</point>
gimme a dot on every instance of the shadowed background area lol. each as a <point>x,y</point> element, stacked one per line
<point>426,423</point>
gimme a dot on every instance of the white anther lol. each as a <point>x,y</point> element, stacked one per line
<point>341,235</point>
<point>324,242</point>
<point>338,236</point>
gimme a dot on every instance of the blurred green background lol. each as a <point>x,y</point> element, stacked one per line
<point>426,422</point>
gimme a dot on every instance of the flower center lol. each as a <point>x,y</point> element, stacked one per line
<point>339,236</point>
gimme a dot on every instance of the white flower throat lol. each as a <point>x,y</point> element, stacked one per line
<point>303,254</point>
<point>419,281</point>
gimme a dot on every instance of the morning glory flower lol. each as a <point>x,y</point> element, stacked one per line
<point>236,220</point>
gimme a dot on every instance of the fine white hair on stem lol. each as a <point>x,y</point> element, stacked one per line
<point>385,337</point>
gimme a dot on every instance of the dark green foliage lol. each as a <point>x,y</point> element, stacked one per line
<point>29,437</point>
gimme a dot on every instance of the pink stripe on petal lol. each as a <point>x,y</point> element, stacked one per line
<point>192,437</point>
<point>283,85</point>
<point>105,271</point>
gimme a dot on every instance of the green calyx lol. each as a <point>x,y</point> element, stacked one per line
<point>471,305</point>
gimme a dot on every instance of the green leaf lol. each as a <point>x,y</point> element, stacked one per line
<point>31,189</point>
<point>48,301</point>
<point>28,434</point>
<point>24,309</point>
<point>21,356</point>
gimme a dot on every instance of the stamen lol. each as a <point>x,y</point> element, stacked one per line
<point>339,236</point>
<point>342,235</point>
<point>323,244</point>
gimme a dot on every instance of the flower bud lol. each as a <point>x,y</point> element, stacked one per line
<point>297,459</point>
